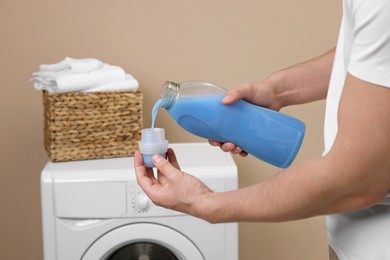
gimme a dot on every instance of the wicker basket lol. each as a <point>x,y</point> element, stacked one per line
<point>79,126</point>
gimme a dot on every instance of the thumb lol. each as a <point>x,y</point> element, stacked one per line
<point>235,94</point>
<point>230,97</point>
<point>165,167</point>
<point>244,91</point>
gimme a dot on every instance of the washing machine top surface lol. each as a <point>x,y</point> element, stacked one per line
<point>87,189</point>
<point>193,158</point>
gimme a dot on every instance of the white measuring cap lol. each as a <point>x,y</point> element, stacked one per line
<point>152,142</point>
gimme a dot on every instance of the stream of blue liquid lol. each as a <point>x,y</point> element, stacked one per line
<point>155,111</point>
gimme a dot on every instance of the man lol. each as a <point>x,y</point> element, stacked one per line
<point>350,182</point>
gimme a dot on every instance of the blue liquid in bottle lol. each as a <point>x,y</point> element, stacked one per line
<point>268,135</point>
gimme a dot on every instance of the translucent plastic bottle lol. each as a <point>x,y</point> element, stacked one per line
<point>268,135</point>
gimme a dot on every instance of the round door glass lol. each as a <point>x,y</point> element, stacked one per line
<point>142,251</point>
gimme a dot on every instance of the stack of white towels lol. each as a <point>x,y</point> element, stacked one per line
<point>85,75</point>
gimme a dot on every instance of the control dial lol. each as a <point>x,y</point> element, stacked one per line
<point>141,202</point>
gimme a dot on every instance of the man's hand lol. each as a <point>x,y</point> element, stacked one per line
<point>172,188</point>
<point>258,93</point>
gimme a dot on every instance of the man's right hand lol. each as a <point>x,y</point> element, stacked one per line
<point>259,93</point>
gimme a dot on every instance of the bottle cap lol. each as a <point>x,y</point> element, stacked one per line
<point>153,141</point>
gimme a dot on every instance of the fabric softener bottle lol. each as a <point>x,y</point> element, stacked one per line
<point>268,135</point>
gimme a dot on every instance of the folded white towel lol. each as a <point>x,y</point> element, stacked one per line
<point>49,75</point>
<point>83,81</point>
<point>129,83</point>
<point>66,67</point>
<point>74,65</point>
<point>72,75</point>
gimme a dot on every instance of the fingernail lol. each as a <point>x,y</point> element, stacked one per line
<point>228,98</point>
<point>157,158</point>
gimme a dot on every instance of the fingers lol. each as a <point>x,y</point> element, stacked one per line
<point>144,178</point>
<point>229,147</point>
<point>214,143</point>
<point>167,169</point>
<point>172,158</point>
<point>243,154</point>
<point>226,147</point>
<point>138,161</point>
<point>149,171</point>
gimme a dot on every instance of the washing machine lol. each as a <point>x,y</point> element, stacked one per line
<point>94,209</point>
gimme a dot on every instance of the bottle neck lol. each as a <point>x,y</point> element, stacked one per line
<point>169,94</point>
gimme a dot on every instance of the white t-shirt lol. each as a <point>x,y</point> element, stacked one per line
<point>363,50</point>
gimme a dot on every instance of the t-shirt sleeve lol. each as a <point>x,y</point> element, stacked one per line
<point>370,53</point>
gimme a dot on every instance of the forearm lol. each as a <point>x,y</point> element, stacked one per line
<point>302,191</point>
<point>304,82</point>
<point>294,194</point>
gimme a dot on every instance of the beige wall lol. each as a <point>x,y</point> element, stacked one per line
<point>223,41</point>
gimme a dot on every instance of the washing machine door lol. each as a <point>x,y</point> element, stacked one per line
<point>143,241</point>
